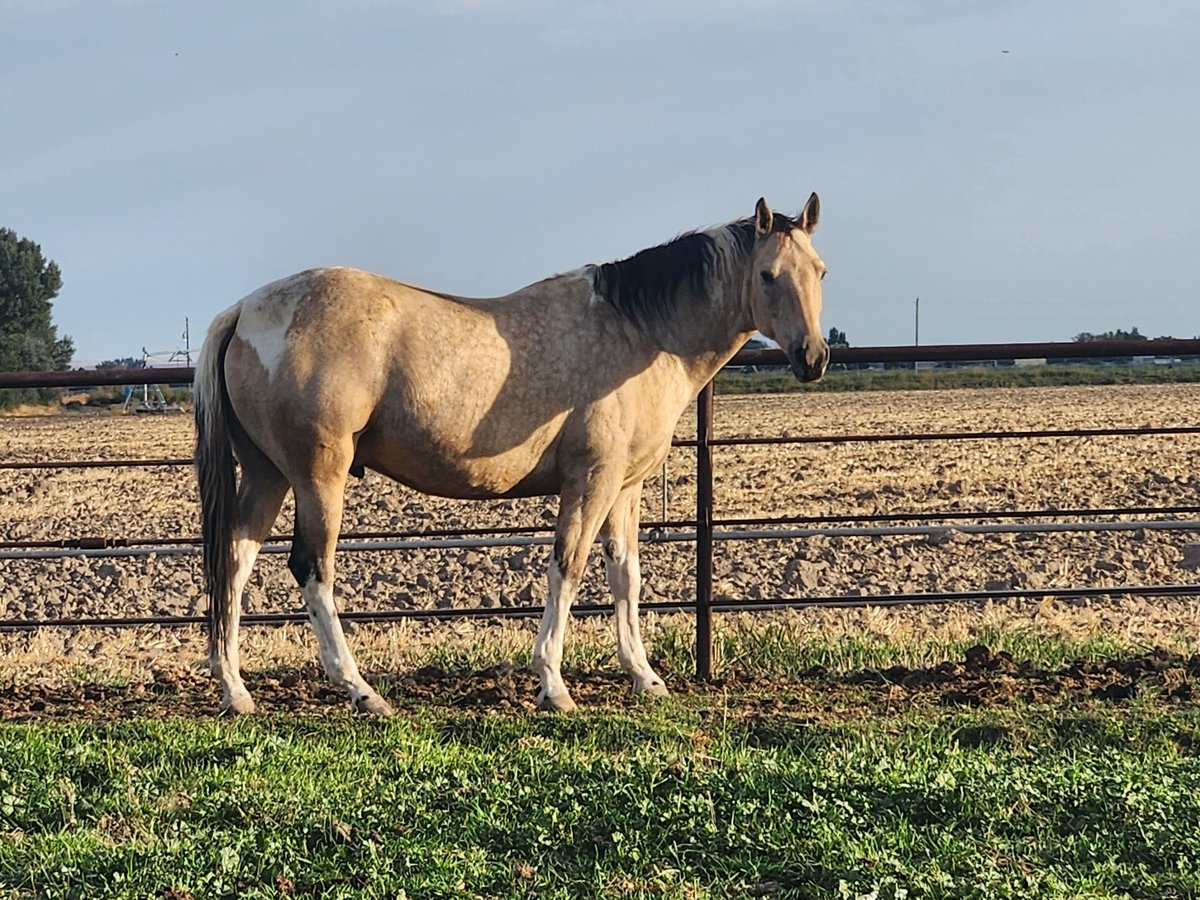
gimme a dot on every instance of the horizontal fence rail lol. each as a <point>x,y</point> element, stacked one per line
<point>664,606</point>
<point>920,436</point>
<point>766,357</point>
<point>654,533</point>
<point>705,529</point>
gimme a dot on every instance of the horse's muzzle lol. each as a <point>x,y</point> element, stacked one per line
<point>808,365</point>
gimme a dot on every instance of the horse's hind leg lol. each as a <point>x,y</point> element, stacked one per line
<point>619,540</point>
<point>260,494</point>
<point>318,518</point>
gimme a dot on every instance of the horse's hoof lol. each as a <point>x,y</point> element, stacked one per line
<point>652,689</point>
<point>241,705</point>
<point>557,703</point>
<point>373,705</point>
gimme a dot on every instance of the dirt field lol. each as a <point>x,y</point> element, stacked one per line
<point>821,479</point>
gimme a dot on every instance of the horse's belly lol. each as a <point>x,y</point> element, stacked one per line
<point>447,474</point>
<point>479,484</point>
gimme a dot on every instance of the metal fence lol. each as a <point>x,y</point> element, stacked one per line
<point>704,529</point>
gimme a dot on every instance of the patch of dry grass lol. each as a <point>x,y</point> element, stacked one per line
<point>776,643</point>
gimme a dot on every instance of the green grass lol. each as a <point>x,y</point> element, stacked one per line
<point>731,382</point>
<point>693,798</point>
<point>820,788</point>
<point>785,648</point>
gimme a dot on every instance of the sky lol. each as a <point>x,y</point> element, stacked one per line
<point>1030,170</point>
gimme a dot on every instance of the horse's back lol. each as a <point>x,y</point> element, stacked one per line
<point>429,388</point>
<point>464,398</point>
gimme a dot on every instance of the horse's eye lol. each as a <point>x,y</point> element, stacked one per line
<point>824,273</point>
<point>766,276</point>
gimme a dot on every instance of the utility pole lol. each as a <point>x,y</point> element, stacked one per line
<point>916,328</point>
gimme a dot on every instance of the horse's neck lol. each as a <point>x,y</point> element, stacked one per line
<point>710,329</point>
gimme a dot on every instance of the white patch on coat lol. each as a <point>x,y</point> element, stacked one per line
<point>548,648</point>
<point>267,314</point>
<point>584,274</point>
<point>336,657</point>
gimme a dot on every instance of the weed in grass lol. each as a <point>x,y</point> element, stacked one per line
<point>100,677</point>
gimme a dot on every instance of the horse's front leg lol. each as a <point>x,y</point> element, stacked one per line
<point>580,512</point>
<point>619,542</point>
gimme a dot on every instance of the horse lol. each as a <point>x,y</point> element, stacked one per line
<point>571,386</point>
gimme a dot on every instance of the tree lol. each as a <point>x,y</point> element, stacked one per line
<point>1085,337</point>
<point>837,338</point>
<point>29,342</point>
<point>128,362</point>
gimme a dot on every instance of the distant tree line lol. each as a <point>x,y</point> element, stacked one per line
<point>126,362</point>
<point>838,338</point>
<point>1119,335</point>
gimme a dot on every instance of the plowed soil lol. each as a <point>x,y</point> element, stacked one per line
<point>828,479</point>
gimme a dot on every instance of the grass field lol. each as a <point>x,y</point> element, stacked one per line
<point>731,381</point>
<point>1043,779</point>
<point>685,800</point>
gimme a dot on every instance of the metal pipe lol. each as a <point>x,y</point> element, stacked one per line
<point>957,436</point>
<point>1064,593</point>
<point>98,377</point>
<point>704,533</point>
<point>592,609</point>
<point>725,442</point>
<point>94,463</point>
<point>664,492</point>
<point>654,531</point>
<point>649,537</point>
<point>905,353</point>
<point>955,515</point>
<point>919,530</point>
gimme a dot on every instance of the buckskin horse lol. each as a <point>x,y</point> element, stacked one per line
<point>570,386</point>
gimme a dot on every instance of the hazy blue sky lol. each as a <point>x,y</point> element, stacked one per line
<point>173,156</point>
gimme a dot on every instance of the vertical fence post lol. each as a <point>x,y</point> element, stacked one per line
<point>704,532</point>
<point>664,493</point>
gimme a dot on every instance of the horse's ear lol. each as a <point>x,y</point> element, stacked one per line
<point>763,218</point>
<point>811,214</point>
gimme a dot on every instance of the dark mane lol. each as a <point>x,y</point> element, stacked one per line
<point>649,283</point>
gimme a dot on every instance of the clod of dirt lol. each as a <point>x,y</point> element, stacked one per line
<point>978,657</point>
<point>981,735</point>
<point>1116,692</point>
<point>1190,556</point>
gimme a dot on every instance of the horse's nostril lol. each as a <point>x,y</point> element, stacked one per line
<point>816,370</point>
<point>805,369</point>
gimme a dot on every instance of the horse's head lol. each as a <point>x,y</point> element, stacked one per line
<point>785,286</point>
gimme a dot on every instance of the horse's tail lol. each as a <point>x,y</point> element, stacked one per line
<point>215,472</point>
